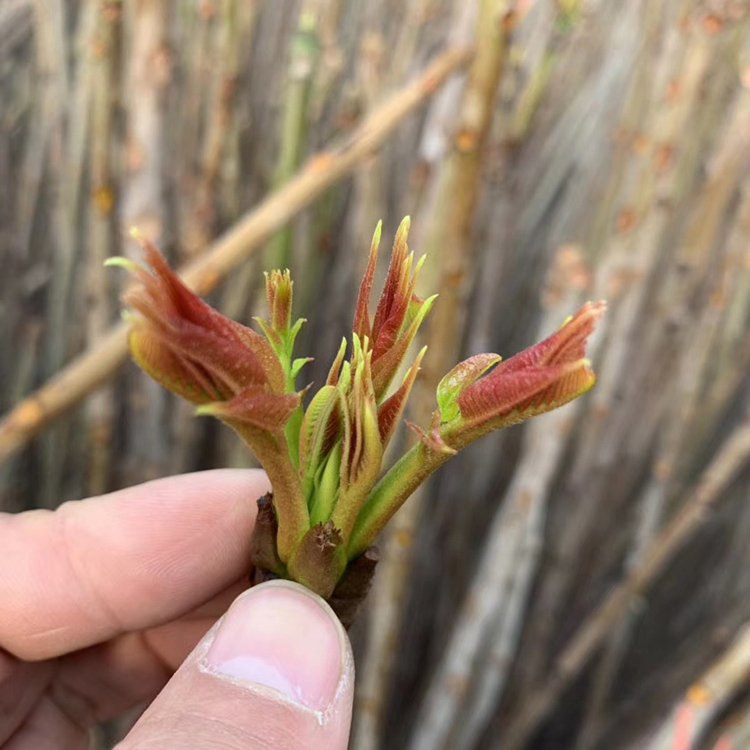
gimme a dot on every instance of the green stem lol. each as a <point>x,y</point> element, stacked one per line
<point>391,492</point>
<point>291,431</point>
<point>288,500</point>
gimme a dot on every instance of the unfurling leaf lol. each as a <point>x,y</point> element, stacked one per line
<point>399,313</point>
<point>254,406</point>
<point>392,409</point>
<point>319,432</point>
<point>539,379</point>
<point>335,371</point>
<point>187,345</point>
<point>385,367</point>
<point>459,379</point>
<point>362,449</point>
<point>326,487</point>
<point>362,326</point>
<point>279,296</point>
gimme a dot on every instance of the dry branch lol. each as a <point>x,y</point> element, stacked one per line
<point>729,459</point>
<point>304,53</point>
<point>146,75</point>
<point>94,367</point>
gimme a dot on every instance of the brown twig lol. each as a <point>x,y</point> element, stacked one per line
<point>729,459</point>
<point>94,367</point>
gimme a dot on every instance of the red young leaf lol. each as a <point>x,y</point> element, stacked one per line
<point>539,379</point>
<point>390,411</point>
<point>191,348</point>
<point>362,326</point>
<point>385,367</point>
<point>392,302</point>
<point>279,296</point>
<point>398,314</point>
<point>256,407</point>
<point>567,344</point>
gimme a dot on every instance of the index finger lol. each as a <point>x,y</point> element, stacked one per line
<point>129,560</point>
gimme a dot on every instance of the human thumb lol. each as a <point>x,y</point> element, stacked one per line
<point>275,672</point>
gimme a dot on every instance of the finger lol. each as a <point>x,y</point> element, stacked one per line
<point>104,681</point>
<point>173,641</point>
<point>21,684</point>
<point>276,672</point>
<point>47,727</point>
<point>121,562</point>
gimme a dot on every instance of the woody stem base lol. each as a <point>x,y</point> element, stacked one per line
<point>351,589</point>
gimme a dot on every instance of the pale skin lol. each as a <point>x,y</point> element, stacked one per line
<point>103,600</point>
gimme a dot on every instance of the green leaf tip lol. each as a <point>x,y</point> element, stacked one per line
<point>117,261</point>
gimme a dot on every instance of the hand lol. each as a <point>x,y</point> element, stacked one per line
<point>103,599</point>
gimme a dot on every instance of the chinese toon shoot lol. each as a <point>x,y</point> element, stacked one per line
<point>323,451</point>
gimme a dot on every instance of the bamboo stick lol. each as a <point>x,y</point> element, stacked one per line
<point>22,378</point>
<point>731,457</point>
<point>51,41</point>
<point>200,62</point>
<point>220,109</point>
<point>95,366</point>
<point>331,65</point>
<point>234,24</point>
<point>475,664</point>
<point>369,180</point>
<point>496,603</point>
